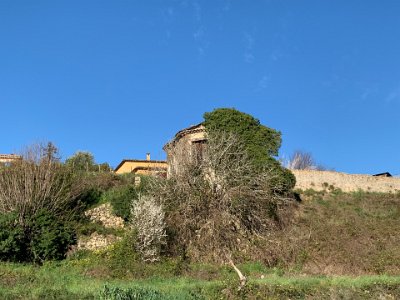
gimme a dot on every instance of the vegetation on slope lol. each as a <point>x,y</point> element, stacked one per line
<point>345,233</point>
<point>338,246</point>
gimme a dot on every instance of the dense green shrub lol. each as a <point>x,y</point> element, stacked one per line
<point>87,227</point>
<point>262,143</point>
<point>81,161</point>
<point>285,179</point>
<point>13,244</point>
<point>89,197</point>
<point>43,237</point>
<point>50,237</point>
<point>121,200</point>
<point>121,197</point>
<point>45,196</point>
<point>131,293</point>
<point>116,293</point>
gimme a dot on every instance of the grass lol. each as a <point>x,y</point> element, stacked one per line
<point>61,281</point>
<point>341,234</point>
<point>339,246</point>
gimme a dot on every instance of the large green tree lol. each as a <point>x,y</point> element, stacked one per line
<point>84,161</point>
<point>81,161</point>
<point>262,143</point>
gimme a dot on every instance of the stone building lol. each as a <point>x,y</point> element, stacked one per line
<point>187,144</point>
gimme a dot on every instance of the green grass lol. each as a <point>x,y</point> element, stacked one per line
<point>339,246</point>
<point>62,281</point>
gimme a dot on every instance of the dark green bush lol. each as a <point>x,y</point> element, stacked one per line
<point>119,190</point>
<point>89,198</point>
<point>50,237</point>
<point>261,142</point>
<point>116,293</point>
<point>87,227</point>
<point>121,200</point>
<point>44,237</point>
<point>123,258</point>
<point>13,244</point>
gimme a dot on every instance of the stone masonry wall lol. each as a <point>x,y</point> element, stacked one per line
<point>102,214</point>
<point>309,179</point>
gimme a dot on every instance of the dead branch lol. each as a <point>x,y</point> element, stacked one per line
<point>36,182</point>
<point>242,278</point>
<point>216,201</point>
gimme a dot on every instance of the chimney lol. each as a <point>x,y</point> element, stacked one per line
<point>147,156</point>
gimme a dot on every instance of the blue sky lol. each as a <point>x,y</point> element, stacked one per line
<point>119,78</point>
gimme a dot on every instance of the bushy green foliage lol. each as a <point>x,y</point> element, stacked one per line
<point>148,293</point>
<point>121,199</point>
<point>13,244</point>
<point>50,237</point>
<point>262,143</point>
<point>89,197</point>
<point>81,161</point>
<point>43,237</point>
<point>121,195</point>
<point>117,293</point>
<point>87,227</point>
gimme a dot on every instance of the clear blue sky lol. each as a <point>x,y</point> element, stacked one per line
<point>119,78</point>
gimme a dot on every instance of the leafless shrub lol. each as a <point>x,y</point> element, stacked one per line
<point>303,161</point>
<point>148,222</point>
<point>216,203</point>
<point>36,182</point>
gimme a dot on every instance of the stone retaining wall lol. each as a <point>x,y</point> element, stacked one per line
<point>96,241</point>
<point>320,180</point>
<point>104,215</point>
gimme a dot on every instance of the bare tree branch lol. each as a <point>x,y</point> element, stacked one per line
<point>216,201</point>
<point>36,182</point>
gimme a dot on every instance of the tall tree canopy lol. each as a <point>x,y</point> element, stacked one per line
<point>262,143</point>
<point>81,161</point>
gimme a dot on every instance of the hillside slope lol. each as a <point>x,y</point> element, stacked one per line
<point>338,233</point>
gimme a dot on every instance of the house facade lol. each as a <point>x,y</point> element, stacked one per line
<point>142,167</point>
<point>187,144</point>
<point>9,158</point>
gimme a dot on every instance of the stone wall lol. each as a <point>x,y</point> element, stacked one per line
<point>96,241</point>
<point>104,215</point>
<point>320,180</point>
